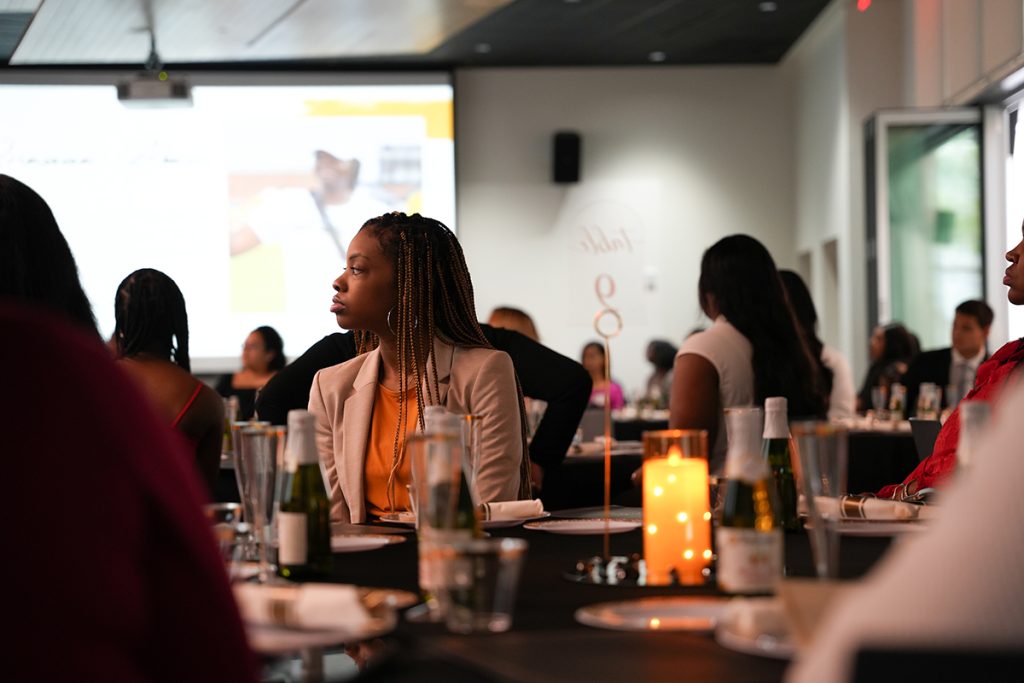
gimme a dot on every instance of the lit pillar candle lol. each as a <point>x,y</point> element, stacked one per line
<point>677,518</point>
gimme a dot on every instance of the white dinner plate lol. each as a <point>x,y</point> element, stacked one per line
<point>671,613</point>
<point>584,526</point>
<point>353,543</point>
<point>756,626</point>
<point>409,519</point>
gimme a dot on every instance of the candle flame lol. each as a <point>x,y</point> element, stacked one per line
<point>674,455</point>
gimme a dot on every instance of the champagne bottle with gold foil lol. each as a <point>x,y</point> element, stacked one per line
<point>748,539</point>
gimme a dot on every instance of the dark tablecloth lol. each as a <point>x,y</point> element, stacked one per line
<point>546,643</point>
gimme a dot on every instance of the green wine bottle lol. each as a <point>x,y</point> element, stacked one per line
<point>304,516</point>
<point>778,453</point>
<point>748,539</point>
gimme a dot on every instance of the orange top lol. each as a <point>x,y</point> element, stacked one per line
<point>380,451</point>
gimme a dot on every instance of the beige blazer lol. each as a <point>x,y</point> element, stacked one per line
<point>471,381</point>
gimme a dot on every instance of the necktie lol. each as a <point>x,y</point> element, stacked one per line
<point>963,382</point>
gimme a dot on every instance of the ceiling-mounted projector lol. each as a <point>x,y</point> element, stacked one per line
<point>158,90</point>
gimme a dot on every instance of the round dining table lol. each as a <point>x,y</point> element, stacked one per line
<point>545,642</point>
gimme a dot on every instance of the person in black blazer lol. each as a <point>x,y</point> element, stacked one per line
<point>971,325</point>
<point>544,374</point>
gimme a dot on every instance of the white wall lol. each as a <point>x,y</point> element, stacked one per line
<point>679,156</point>
<point>846,66</point>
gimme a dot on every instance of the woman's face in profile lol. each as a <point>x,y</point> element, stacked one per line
<point>365,291</point>
<point>876,347</point>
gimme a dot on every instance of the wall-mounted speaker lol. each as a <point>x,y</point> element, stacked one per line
<point>566,167</point>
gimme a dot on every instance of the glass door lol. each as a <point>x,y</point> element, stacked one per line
<point>925,220</point>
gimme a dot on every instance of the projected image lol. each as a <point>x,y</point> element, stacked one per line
<point>248,199</point>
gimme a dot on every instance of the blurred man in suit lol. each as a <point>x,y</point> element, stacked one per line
<point>953,368</point>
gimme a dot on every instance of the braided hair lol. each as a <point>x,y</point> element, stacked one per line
<point>150,317</point>
<point>435,299</point>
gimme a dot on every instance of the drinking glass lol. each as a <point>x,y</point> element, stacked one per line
<point>897,402</point>
<point>879,402</point>
<point>928,401</point>
<point>471,452</point>
<point>255,465</point>
<point>436,463</point>
<point>231,535</point>
<point>821,448</point>
<point>481,580</point>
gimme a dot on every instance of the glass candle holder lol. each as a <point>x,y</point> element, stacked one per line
<point>677,509</point>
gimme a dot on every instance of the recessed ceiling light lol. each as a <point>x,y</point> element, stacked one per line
<point>482,48</point>
<point>768,6</point>
<point>657,56</point>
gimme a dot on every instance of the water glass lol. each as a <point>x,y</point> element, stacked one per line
<point>232,536</point>
<point>897,402</point>
<point>928,401</point>
<point>821,448</point>
<point>436,463</point>
<point>255,470</point>
<point>481,581</point>
<point>471,452</point>
<point>879,402</point>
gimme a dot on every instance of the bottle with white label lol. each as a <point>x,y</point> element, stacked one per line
<point>304,518</point>
<point>748,539</point>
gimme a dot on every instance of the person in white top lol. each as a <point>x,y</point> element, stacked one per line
<point>958,586</point>
<point>754,349</point>
<point>833,368</point>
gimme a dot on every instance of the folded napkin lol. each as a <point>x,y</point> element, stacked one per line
<point>864,507</point>
<point>312,606</point>
<point>512,509</point>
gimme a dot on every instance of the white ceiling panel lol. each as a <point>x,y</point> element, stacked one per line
<point>114,31</point>
<point>19,5</point>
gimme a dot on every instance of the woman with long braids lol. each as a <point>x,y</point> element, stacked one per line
<point>753,350</point>
<point>151,339</point>
<point>407,294</point>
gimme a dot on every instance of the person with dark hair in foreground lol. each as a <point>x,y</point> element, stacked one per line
<point>262,357</point>
<point>125,582</point>
<point>407,293</point>
<point>753,350</point>
<point>953,368</point>
<point>151,336</point>
<point>36,265</point>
